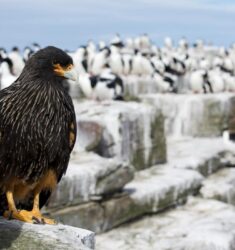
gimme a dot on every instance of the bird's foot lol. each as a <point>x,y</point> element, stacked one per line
<point>22,215</point>
<point>48,221</point>
<point>44,220</point>
<point>29,217</point>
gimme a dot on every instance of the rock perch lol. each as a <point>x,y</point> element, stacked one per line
<point>18,235</point>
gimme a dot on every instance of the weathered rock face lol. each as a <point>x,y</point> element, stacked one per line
<point>89,177</point>
<point>152,190</point>
<point>25,236</point>
<point>133,132</point>
<point>228,158</point>
<point>205,155</point>
<point>220,186</point>
<point>89,134</point>
<point>231,122</point>
<point>193,115</point>
<point>200,224</point>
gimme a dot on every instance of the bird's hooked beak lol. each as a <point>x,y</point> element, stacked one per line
<point>68,72</point>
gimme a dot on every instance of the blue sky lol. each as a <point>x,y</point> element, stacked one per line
<point>70,23</point>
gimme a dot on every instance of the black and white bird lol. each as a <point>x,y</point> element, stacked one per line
<point>116,41</point>
<point>116,61</point>
<point>99,60</point>
<point>199,82</point>
<point>36,47</point>
<point>106,86</point>
<point>7,76</point>
<point>28,52</point>
<point>216,79</point>
<point>17,60</point>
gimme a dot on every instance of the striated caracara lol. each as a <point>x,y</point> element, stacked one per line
<point>37,135</point>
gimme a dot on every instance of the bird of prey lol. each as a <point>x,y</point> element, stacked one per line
<point>37,135</point>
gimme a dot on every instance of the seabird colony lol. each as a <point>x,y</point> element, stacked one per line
<point>104,69</point>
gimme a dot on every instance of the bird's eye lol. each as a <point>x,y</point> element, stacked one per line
<point>69,66</point>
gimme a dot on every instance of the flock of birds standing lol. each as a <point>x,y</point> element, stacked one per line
<point>104,69</point>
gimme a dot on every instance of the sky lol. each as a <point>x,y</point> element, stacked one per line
<point>71,23</point>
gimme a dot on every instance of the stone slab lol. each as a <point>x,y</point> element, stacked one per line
<point>131,131</point>
<point>197,115</point>
<point>200,224</point>
<point>152,190</point>
<point>25,236</point>
<point>90,175</point>
<point>220,186</point>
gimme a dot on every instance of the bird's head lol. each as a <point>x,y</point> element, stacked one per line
<point>50,63</point>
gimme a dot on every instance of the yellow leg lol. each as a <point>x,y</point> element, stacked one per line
<point>36,211</point>
<point>36,202</point>
<point>12,212</point>
<point>10,200</point>
<point>33,216</point>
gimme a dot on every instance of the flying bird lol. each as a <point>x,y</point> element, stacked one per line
<point>37,134</point>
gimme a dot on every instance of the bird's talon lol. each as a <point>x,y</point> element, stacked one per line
<point>10,215</point>
<point>36,220</point>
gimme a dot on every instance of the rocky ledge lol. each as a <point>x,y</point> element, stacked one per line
<point>82,201</point>
<point>194,115</point>
<point>133,132</point>
<point>25,236</point>
<point>200,224</point>
<point>90,177</point>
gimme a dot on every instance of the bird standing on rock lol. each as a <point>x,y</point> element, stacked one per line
<point>37,135</point>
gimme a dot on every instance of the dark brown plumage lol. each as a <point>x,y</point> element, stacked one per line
<point>37,129</point>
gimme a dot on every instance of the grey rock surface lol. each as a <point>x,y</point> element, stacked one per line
<point>151,190</point>
<point>25,236</point>
<point>199,225</point>
<point>90,175</point>
<point>228,159</point>
<point>231,122</point>
<point>159,187</point>
<point>134,132</point>
<point>220,186</point>
<point>193,115</point>
<point>190,160</point>
<point>205,155</point>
